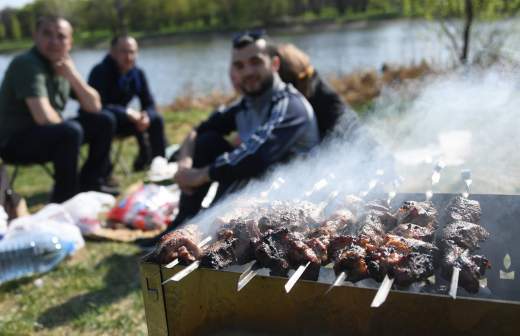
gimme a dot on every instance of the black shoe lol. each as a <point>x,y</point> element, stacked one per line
<point>141,163</point>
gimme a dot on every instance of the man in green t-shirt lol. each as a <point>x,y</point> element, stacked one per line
<point>34,91</point>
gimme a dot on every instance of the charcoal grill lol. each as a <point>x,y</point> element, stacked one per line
<point>207,302</point>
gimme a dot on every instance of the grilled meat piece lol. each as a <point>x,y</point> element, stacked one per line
<point>414,267</point>
<point>410,230</point>
<point>464,234</point>
<point>297,216</point>
<point>420,213</point>
<point>243,232</point>
<point>463,209</point>
<point>472,267</point>
<point>219,254</point>
<point>181,243</point>
<point>371,225</point>
<point>405,259</point>
<point>349,253</point>
<point>281,249</point>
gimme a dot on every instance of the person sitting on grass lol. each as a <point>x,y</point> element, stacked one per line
<point>273,120</point>
<point>118,80</point>
<point>34,91</point>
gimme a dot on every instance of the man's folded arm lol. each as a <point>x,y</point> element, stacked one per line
<point>42,111</point>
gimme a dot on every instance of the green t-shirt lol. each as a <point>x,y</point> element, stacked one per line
<point>28,75</point>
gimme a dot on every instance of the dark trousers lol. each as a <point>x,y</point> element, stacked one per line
<point>208,146</point>
<point>60,144</point>
<point>151,143</point>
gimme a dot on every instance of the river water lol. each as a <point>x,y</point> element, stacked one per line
<point>200,65</point>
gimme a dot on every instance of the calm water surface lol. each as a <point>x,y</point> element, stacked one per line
<point>201,65</point>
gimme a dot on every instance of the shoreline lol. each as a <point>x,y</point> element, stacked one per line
<point>160,38</point>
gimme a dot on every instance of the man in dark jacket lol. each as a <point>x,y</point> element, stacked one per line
<point>118,80</point>
<point>273,120</point>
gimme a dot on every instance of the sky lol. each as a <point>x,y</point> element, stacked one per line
<point>13,3</point>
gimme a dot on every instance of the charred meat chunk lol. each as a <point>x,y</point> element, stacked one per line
<point>405,259</point>
<point>472,267</point>
<point>410,230</point>
<point>219,254</point>
<point>420,213</point>
<point>463,209</point>
<point>280,250</point>
<point>242,232</point>
<point>349,253</point>
<point>464,234</point>
<point>181,243</point>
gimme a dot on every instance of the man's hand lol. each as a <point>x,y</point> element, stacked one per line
<point>140,119</point>
<point>191,178</point>
<point>65,68</point>
<point>143,122</point>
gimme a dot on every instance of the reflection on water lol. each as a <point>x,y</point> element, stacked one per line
<point>201,64</point>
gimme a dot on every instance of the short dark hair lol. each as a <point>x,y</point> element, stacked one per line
<point>248,37</point>
<point>50,19</point>
<point>115,40</point>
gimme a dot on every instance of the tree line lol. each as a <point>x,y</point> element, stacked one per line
<point>109,17</point>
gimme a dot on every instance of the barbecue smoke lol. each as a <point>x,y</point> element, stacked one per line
<point>466,120</point>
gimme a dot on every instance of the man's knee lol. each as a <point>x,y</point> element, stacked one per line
<point>156,122</point>
<point>105,122</point>
<point>71,133</point>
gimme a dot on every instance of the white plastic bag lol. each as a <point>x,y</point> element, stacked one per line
<point>3,222</point>
<point>52,218</point>
<point>161,170</point>
<point>84,208</point>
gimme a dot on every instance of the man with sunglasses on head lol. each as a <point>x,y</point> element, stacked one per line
<point>34,91</point>
<point>118,80</point>
<point>273,120</point>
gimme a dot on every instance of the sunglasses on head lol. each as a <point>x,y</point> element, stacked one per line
<point>248,36</point>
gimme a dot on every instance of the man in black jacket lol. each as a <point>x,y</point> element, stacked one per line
<point>118,80</point>
<point>273,120</point>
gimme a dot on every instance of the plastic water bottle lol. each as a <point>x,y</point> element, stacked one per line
<point>31,253</point>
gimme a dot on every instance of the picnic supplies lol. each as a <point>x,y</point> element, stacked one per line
<point>31,253</point>
<point>52,219</point>
<point>150,207</point>
<point>85,209</point>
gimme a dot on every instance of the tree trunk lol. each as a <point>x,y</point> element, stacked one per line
<point>467,31</point>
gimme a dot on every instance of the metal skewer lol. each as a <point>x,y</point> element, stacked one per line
<point>436,176</point>
<point>296,275</point>
<point>182,274</point>
<point>454,283</point>
<point>248,274</point>
<point>339,279</point>
<point>201,244</point>
<point>382,292</point>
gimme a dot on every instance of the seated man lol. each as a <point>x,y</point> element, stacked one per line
<point>273,120</point>
<point>118,80</point>
<point>33,94</point>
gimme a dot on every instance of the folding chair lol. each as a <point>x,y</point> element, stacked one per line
<point>118,159</point>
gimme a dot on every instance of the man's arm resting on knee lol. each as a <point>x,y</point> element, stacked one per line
<point>42,111</point>
<point>88,97</point>
<point>187,150</point>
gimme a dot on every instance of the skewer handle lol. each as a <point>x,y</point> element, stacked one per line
<point>294,278</point>
<point>382,292</point>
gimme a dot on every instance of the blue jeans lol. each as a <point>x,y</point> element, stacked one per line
<point>60,144</point>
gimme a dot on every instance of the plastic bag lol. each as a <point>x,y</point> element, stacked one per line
<point>53,219</point>
<point>148,208</point>
<point>84,208</point>
<point>3,222</point>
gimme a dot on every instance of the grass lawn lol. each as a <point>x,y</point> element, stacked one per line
<point>95,292</point>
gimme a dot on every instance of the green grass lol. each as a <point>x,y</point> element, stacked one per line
<point>96,291</point>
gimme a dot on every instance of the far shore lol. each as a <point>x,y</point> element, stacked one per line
<point>158,39</point>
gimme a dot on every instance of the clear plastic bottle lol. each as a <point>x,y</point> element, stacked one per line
<point>31,253</point>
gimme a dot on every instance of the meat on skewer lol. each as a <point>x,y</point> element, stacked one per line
<point>410,230</point>
<point>181,243</point>
<point>463,209</point>
<point>420,213</point>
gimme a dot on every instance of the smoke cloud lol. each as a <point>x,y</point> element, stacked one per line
<point>466,120</point>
